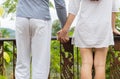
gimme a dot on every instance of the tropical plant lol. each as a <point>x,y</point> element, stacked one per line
<point>55,27</point>
<point>2,77</point>
<point>7,55</point>
<point>55,58</point>
<point>5,33</point>
<point>118,21</point>
<point>1,11</point>
<point>10,6</point>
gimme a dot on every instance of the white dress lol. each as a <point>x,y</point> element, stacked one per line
<point>93,28</point>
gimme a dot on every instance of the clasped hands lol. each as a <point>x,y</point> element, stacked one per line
<point>62,36</point>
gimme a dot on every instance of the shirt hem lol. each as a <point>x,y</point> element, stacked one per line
<point>99,46</point>
<point>34,17</point>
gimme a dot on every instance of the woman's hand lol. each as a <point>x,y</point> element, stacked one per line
<point>63,36</point>
<point>63,33</point>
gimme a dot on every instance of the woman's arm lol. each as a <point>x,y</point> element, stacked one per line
<point>113,20</point>
<point>68,23</point>
<point>115,8</point>
<point>72,10</point>
<point>63,33</point>
<point>115,31</point>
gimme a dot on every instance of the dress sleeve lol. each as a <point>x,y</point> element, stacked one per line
<point>74,6</point>
<point>116,6</point>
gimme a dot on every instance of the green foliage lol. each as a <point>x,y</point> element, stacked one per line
<point>8,52</point>
<point>6,57</point>
<point>118,21</point>
<point>2,77</point>
<point>10,6</point>
<point>55,57</point>
<point>108,65</point>
<point>71,31</point>
<point>5,33</point>
<point>55,27</point>
<point>1,11</point>
<point>8,49</point>
<point>51,4</point>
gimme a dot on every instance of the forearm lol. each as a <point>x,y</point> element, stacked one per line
<point>113,20</point>
<point>73,10</point>
<point>63,33</point>
<point>69,21</point>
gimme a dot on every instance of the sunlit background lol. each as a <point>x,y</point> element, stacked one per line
<point>9,22</point>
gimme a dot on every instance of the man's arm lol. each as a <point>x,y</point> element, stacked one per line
<point>61,11</point>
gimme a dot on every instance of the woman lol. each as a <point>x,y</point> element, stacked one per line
<point>93,31</point>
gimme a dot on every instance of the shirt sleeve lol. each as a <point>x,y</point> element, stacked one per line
<point>74,6</point>
<point>61,11</point>
<point>116,6</point>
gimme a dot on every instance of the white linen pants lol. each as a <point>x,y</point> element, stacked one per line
<point>33,39</point>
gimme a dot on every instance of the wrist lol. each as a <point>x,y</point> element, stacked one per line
<point>65,30</point>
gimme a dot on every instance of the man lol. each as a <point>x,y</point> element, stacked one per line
<point>33,35</point>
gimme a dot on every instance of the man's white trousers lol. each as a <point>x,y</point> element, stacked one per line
<point>33,38</point>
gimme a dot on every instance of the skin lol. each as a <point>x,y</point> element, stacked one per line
<point>86,54</point>
<point>115,31</point>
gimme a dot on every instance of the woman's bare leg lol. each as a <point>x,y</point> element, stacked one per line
<point>99,62</point>
<point>87,62</point>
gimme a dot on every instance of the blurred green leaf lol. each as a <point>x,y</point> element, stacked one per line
<point>51,4</point>
<point>6,57</point>
<point>1,11</point>
<point>2,77</point>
